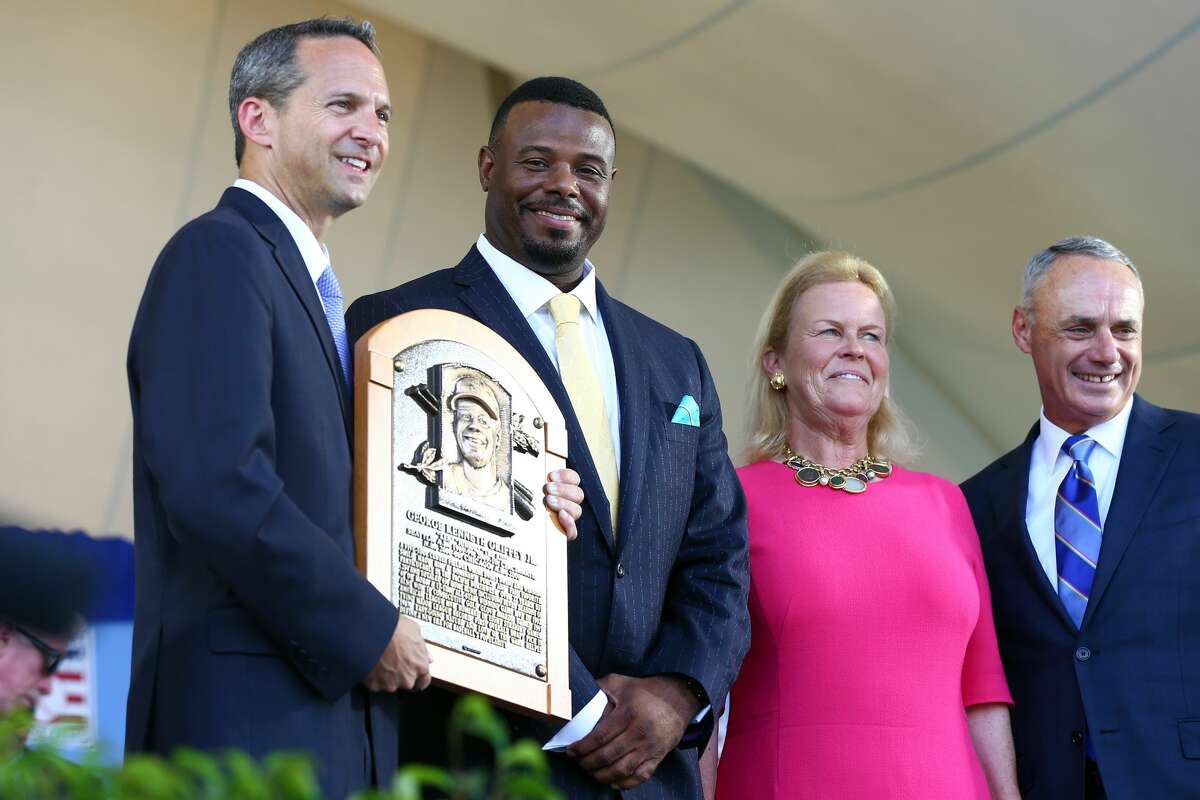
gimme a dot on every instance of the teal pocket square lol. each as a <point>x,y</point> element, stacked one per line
<point>688,412</point>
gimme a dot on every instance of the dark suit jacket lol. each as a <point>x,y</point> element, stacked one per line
<point>1133,670</point>
<point>251,623</point>
<point>669,596</point>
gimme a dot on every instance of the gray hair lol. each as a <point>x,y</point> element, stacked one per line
<point>266,68</point>
<point>1040,264</point>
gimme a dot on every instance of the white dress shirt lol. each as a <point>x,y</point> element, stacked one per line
<point>1048,465</point>
<point>315,254</point>
<point>532,293</point>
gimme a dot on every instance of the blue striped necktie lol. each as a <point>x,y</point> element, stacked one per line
<point>1077,528</point>
<point>331,299</point>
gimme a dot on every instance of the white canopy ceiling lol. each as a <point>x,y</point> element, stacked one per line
<point>944,141</point>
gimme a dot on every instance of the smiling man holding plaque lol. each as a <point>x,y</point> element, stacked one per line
<point>658,575</point>
<point>253,629</point>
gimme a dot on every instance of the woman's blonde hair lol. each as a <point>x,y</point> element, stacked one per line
<point>889,434</point>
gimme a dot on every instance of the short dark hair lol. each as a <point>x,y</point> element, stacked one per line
<point>562,91</point>
<point>267,66</point>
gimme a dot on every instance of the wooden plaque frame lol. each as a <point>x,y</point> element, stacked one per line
<point>377,365</point>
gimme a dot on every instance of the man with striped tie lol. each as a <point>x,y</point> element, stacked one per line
<point>1091,535</point>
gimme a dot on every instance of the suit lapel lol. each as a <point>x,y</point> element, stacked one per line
<point>487,298</point>
<point>1144,460</point>
<point>287,256</point>
<point>1010,496</point>
<point>629,358</point>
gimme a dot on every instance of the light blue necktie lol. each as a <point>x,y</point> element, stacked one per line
<point>331,298</point>
<point>1077,529</point>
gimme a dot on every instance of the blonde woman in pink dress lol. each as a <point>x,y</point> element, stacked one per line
<point>873,670</point>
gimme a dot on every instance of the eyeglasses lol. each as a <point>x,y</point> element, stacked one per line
<point>51,656</point>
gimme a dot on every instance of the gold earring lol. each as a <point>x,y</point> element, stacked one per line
<point>778,381</point>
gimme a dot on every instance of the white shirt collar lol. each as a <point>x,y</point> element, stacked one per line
<point>315,254</point>
<point>1109,434</point>
<point>531,291</point>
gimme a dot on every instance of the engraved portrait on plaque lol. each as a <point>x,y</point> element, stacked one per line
<point>482,470</point>
<point>454,436</point>
<point>467,458</point>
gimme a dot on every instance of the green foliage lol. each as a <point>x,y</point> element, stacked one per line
<point>519,771</point>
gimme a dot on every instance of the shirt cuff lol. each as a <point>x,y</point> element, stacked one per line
<point>583,723</point>
<point>580,725</point>
<point>693,735</point>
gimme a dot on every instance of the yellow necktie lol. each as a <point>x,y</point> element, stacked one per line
<point>583,387</point>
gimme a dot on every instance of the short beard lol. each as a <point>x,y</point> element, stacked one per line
<point>554,254</point>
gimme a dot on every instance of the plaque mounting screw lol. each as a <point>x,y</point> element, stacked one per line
<point>537,422</point>
<point>540,669</point>
<point>399,365</point>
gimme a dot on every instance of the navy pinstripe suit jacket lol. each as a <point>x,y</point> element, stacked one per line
<point>669,596</point>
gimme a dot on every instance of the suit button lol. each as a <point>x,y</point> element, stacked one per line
<point>1082,653</point>
<point>1076,738</point>
<point>620,570</point>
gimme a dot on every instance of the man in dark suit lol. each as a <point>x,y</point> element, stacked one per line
<point>658,576</point>
<point>1091,535</point>
<point>252,627</point>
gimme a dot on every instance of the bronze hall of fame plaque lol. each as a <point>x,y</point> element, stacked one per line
<point>454,436</point>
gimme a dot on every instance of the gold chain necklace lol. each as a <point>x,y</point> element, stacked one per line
<point>853,479</point>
